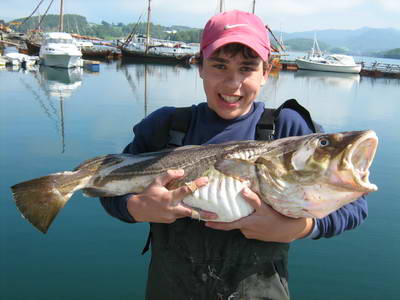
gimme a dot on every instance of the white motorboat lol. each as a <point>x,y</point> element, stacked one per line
<point>317,61</point>
<point>330,63</point>
<point>14,58</point>
<point>23,60</point>
<point>59,49</point>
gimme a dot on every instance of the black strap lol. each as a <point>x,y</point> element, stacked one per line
<point>148,242</point>
<point>180,123</point>
<point>265,128</point>
<point>293,104</point>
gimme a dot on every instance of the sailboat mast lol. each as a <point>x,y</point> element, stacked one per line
<point>221,6</point>
<point>61,24</point>
<point>148,27</point>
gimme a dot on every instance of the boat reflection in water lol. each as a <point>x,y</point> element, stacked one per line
<point>341,80</point>
<point>60,83</point>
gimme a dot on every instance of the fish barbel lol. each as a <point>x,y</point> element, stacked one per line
<point>300,176</point>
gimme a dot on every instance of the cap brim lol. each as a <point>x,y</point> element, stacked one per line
<point>251,43</point>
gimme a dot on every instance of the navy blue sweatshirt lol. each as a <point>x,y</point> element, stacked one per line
<point>208,128</point>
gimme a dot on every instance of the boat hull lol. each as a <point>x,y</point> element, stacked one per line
<point>61,60</point>
<point>33,48</point>
<point>154,57</point>
<point>316,66</point>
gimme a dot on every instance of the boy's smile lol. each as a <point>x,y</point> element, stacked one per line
<point>232,83</point>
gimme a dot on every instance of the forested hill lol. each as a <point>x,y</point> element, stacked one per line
<point>79,24</point>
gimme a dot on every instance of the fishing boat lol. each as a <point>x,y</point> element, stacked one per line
<point>315,60</point>
<point>59,49</point>
<point>145,48</point>
<point>32,46</point>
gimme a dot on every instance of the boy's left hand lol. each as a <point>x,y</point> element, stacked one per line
<point>265,223</point>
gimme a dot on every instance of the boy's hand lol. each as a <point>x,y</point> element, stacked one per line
<point>266,224</point>
<point>159,205</point>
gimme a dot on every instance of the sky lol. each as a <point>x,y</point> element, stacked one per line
<point>280,15</point>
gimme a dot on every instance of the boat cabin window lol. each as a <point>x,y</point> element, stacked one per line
<point>59,41</point>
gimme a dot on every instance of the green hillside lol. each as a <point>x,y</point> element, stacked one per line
<point>393,53</point>
<point>78,24</point>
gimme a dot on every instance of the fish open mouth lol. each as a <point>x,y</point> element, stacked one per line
<point>360,157</point>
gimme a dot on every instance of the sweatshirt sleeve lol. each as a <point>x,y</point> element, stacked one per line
<point>347,217</point>
<point>143,131</point>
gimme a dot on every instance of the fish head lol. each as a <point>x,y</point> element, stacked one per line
<point>339,159</point>
<point>313,175</point>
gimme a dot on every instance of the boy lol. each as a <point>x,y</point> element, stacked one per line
<point>245,259</point>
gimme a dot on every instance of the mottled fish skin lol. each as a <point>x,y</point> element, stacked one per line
<point>305,176</point>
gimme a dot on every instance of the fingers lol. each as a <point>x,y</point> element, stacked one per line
<point>168,176</point>
<point>252,198</point>
<point>192,186</point>
<point>195,213</point>
<point>189,188</point>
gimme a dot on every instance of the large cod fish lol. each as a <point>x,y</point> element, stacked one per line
<point>302,176</point>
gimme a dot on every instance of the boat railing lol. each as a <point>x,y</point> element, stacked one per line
<point>383,67</point>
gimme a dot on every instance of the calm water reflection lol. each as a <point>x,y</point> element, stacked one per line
<point>51,120</point>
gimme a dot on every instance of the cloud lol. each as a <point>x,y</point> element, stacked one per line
<point>390,5</point>
<point>307,7</point>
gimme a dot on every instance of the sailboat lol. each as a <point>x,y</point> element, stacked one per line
<point>315,60</point>
<point>147,49</point>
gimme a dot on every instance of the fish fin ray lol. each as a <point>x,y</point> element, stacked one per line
<point>39,200</point>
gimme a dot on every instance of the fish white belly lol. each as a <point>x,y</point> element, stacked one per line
<point>222,196</point>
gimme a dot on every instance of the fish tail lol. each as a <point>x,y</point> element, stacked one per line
<point>39,200</point>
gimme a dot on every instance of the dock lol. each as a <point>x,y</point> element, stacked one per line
<point>374,69</point>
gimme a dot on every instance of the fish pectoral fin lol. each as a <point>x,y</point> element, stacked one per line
<point>240,169</point>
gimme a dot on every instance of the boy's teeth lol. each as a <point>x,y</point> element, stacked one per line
<point>230,99</point>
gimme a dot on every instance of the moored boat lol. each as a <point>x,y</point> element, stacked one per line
<point>160,53</point>
<point>330,63</point>
<point>60,50</point>
<point>315,60</point>
<point>147,49</point>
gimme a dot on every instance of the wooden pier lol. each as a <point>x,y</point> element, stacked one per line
<point>368,69</point>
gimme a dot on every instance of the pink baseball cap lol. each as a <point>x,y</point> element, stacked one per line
<point>235,27</point>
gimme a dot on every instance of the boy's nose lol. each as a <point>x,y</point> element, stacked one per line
<point>233,81</point>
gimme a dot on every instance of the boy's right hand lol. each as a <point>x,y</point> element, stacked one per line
<point>157,204</point>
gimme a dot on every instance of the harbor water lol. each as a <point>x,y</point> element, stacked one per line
<point>53,119</point>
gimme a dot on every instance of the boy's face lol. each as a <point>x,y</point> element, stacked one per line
<point>232,84</point>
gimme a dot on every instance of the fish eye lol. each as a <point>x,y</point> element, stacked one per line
<point>323,142</point>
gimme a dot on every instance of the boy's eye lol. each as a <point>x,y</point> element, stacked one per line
<point>246,69</point>
<point>220,66</point>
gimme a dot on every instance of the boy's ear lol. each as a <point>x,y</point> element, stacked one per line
<point>200,67</point>
<point>266,74</point>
